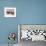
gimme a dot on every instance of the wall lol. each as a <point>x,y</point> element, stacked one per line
<point>28,12</point>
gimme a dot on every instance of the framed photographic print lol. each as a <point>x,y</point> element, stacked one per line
<point>33,32</point>
<point>9,12</point>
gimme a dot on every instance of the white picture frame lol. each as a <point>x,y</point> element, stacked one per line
<point>9,12</point>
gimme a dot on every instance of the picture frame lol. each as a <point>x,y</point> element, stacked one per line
<point>9,12</point>
<point>36,32</point>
